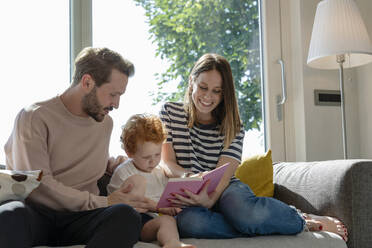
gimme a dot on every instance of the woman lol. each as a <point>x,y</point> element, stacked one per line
<point>206,132</point>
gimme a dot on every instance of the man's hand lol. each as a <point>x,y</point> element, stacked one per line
<point>123,195</point>
<point>112,163</point>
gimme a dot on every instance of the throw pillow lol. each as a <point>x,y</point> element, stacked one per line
<point>17,185</point>
<point>257,172</point>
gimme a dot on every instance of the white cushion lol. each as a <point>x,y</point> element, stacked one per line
<point>17,185</point>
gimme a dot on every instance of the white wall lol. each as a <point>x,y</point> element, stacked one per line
<point>364,77</point>
<point>314,132</point>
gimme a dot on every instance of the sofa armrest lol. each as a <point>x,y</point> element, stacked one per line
<point>339,188</point>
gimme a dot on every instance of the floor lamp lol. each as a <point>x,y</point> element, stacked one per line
<point>339,40</point>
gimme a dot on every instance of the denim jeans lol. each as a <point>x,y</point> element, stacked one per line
<point>239,213</point>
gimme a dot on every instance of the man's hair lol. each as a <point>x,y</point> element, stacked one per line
<point>141,128</point>
<point>99,63</point>
<point>227,112</point>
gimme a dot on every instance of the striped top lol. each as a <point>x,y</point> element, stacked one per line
<point>200,147</point>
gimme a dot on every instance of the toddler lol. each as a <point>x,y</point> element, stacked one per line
<point>142,138</point>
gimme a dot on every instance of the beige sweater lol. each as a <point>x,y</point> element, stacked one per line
<point>71,151</point>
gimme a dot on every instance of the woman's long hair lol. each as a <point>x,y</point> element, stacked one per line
<point>226,113</point>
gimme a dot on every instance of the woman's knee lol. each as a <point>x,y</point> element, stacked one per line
<point>236,192</point>
<point>237,198</point>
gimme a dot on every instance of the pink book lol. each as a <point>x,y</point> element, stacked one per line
<point>193,184</point>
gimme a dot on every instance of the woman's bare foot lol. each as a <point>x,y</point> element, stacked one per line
<point>326,223</point>
<point>314,225</point>
<point>178,244</point>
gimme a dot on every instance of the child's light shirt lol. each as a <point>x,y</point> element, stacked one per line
<point>155,180</point>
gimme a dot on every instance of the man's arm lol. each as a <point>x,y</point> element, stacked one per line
<point>28,148</point>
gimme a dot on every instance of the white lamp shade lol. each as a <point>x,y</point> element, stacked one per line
<point>338,29</point>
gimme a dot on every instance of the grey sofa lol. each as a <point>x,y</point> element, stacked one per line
<point>340,188</point>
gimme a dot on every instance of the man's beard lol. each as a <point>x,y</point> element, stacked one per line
<point>92,107</point>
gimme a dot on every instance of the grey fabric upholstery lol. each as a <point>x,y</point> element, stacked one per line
<point>303,240</point>
<point>340,188</point>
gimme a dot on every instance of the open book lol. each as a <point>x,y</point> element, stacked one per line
<point>193,184</point>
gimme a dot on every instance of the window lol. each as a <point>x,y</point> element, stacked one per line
<point>35,56</point>
<point>123,26</point>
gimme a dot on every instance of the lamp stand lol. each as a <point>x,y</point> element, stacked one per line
<point>340,61</point>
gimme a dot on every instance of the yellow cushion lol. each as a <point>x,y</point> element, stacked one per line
<point>257,172</point>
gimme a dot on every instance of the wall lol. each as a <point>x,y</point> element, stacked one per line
<point>315,132</point>
<point>364,76</point>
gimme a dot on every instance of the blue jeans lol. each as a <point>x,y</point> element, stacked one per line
<point>239,213</point>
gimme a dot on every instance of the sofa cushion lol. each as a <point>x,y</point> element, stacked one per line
<point>303,240</point>
<point>257,172</point>
<point>17,185</point>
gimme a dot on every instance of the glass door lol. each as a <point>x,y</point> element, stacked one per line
<point>274,78</point>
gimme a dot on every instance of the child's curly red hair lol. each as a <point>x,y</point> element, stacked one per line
<point>141,128</point>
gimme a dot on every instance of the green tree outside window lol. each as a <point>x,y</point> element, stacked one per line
<point>184,30</point>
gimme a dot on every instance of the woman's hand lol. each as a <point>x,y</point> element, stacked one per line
<point>201,199</point>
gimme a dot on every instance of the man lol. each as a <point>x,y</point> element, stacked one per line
<point>67,137</point>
